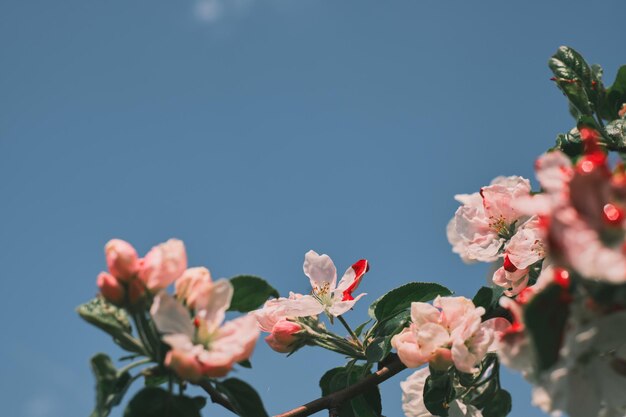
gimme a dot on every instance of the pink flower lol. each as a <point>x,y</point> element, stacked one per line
<point>451,323</point>
<point>122,259</point>
<point>524,249</point>
<point>110,288</point>
<point>581,212</point>
<point>483,223</point>
<point>283,336</point>
<point>195,288</point>
<point>202,346</point>
<point>327,296</point>
<point>273,319</point>
<point>163,265</point>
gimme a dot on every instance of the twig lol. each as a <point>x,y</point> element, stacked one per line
<point>216,397</point>
<point>334,400</point>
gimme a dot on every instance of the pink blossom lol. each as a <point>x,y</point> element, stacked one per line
<point>163,265</point>
<point>452,323</point>
<point>203,346</point>
<point>110,288</point>
<point>580,207</point>
<point>195,288</point>
<point>483,223</point>
<point>524,249</point>
<point>327,296</point>
<point>283,336</point>
<point>272,318</point>
<point>122,259</point>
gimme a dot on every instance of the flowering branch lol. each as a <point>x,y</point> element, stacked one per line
<point>337,398</point>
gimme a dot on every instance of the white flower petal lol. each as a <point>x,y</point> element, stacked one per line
<point>170,316</point>
<point>321,270</point>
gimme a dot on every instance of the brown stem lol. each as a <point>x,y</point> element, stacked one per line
<point>216,396</point>
<point>334,400</point>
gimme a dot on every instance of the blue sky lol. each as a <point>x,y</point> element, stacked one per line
<point>256,130</point>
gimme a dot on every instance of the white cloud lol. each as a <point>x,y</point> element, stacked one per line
<point>212,11</point>
<point>43,405</point>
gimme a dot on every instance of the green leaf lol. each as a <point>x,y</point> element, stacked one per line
<point>570,144</point>
<point>380,346</point>
<point>438,391</point>
<point>110,385</point>
<point>245,363</point>
<point>616,95</point>
<point>360,327</point>
<point>243,397</point>
<point>155,380</point>
<point>377,349</point>
<point>401,298</point>
<point>484,297</point>
<point>499,406</point>
<point>616,131</point>
<point>112,320</point>
<point>365,405</point>
<point>545,316</point>
<point>156,402</point>
<point>573,77</point>
<point>250,293</point>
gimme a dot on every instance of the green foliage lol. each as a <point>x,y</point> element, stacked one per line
<point>570,144</point>
<point>367,404</point>
<point>401,298</point>
<point>438,393</point>
<point>250,293</point>
<point>112,320</point>
<point>243,397</point>
<point>499,405</point>
<point>156,402</point>
<point>378,344</point>
<point>110,385</point>
<point>616,132</point>
<point>245,363</point>
<point>574,77</point>
<point>616,95</point>
<point>545,316</point>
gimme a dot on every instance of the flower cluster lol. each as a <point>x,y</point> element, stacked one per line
<point>278,316</point>
<point>489,226</point>
<point>191,323</point>
<point>579,367</point>
<point>449,332</point>
<point>129,276</point>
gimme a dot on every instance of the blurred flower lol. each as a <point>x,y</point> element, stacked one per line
<point>163,265</point>
<point>202,346</point>
<point>110,288</point>
<point>122,259</point>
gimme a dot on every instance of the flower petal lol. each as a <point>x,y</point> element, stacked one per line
<point>321,270</point>
<point>351,279</point>
<point>213,307</point>
<point>340,307</point>
<point>170,316</point>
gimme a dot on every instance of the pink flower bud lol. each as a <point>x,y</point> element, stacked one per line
<point>121,258</point>
<point>136,291</point>
<point>184,364</point>
<point>284,334</point>
<point>110,288</point>
<point>622,111</point>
